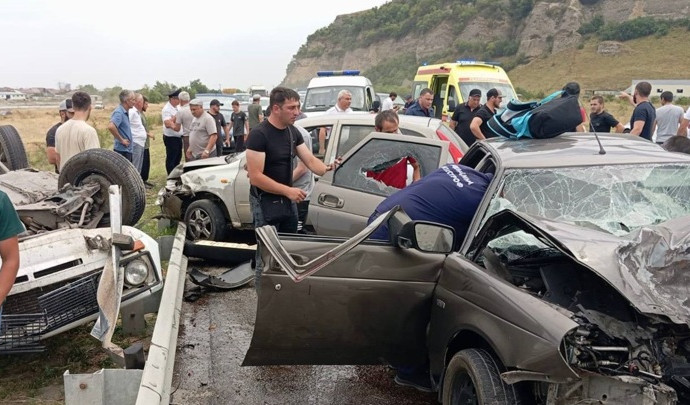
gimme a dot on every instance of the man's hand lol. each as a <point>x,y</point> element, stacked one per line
<point>125,141</point>
<point>205,154</point>
<point>295,194</point>
<point>334,165</point>
<point>189,154</point>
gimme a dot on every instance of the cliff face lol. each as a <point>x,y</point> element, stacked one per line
<point>455,29</point>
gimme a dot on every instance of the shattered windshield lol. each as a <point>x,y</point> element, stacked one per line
<point>614,199</point>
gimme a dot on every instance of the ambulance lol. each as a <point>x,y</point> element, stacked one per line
<point>322,92</point>
<point>451,83</point>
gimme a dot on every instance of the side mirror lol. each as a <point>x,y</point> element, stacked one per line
<point>428,237</point>
<point>451,105</point>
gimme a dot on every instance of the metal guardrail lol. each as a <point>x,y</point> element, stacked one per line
<point>116,386</point>
<point>157,377</point>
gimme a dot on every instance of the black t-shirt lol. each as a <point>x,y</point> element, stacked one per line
<point>220,124</point>
<point>485,114</point>
<point>644,112</point>
<point>278,146</point>
<point>50,136</point>
<point>602,122</point>
<point>238,119</point>
<point>463,115</point>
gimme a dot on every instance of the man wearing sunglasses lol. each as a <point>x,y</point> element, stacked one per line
<point>479,125</point>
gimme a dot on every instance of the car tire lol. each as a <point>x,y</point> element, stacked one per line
<point>205,221</point>
<point>12,152</point>
<point>107,168</point>
<point>473,377</point>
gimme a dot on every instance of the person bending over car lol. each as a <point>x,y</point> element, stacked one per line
<point>449,196</point>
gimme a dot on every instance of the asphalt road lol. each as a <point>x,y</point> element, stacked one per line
<point>215,333</point>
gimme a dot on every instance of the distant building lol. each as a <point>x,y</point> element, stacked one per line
<point>679,88</point>
<point>11,94</point>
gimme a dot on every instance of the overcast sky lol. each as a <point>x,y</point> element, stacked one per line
<point>132,43</point>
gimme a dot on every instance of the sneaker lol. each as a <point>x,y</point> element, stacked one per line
<point>421,382</point>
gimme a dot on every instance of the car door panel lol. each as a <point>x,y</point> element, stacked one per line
<point>241,188</point>
<point>371,303</point>
<point>342,201</point>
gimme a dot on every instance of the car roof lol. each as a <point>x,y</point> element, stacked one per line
<point>578,149</point>
<point>365,118</point>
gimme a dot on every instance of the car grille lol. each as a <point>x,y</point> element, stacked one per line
<point>28,315</point>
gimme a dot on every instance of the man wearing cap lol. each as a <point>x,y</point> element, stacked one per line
<point>479,125</point>
<point>172,132</point>
<point>66,112</point>
<point>203,132</point>
<point>463,115</point>
<point>76,135</point>
<point>255,114</point>
<point>222,127</point>
<point>119,125</point>
<point>184,118</point>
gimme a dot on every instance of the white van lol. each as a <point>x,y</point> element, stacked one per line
<point>323,90</point>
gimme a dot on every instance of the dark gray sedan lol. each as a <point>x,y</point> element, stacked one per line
<point>570,287</point>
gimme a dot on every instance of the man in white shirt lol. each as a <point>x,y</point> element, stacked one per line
<point>388,104</point>
<point>184,118</point>
<point>76,135</point>
<point>342,106</point>
<point>668,117</point>
<point>172,132</point>
<point>138,131</point>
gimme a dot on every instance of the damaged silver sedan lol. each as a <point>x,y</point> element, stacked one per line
<point>570,287</point>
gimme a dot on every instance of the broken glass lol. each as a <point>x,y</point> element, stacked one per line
<point>380,154</point>
<point>615,199</point>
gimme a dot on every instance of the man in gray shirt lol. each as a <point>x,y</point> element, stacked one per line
<point>302,178</point>
<point>203,133</point>
<point>668,117</point>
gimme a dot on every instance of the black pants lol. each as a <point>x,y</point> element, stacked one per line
<point>173,152</point>
<point>302,211</point>
<point>219,145</point>
<point>146,166</point>
<point>239,143</point>
<point>127,155</point>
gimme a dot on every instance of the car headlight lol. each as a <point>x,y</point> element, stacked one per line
<point>136,272</point>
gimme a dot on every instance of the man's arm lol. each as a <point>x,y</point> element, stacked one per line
<point>416,171</point>
<point>637,128</point>
<point>210,145</point>
<point>9,252</point>
<point>246,126</point>
<point>299,171</point>
<point>474,127</point>
<point>626,96</point>
<point>619,128</point>
<point>226,128</point>
<point>257,178</point>
<point>683,128</point>
<point>116,134</point>
<point>313,163</point>
<point>52,155</point>
<point>322,140</point>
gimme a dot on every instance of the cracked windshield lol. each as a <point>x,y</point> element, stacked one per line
<point>614,199</point>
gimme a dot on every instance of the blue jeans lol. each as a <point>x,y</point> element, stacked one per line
<point>288,225</point>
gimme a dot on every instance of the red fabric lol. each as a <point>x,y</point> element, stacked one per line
<point>394,176</point>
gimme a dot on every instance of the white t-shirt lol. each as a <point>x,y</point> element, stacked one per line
<point>167,113</point>
<point>335,110</point>
<point>387,104</point>
<point>667,119</point>
<point>74,136</point>
<point>137,127</point>
<point>306,181</point>
<point>202,128</point>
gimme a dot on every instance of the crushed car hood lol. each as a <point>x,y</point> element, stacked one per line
<point>650,266</point>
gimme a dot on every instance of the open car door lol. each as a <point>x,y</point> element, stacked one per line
<point>325,300</point>
<point>343,200</point>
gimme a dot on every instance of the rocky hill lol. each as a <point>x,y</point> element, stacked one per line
<point>388,42</point>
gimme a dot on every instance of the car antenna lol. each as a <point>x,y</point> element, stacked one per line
<point>601,148</point>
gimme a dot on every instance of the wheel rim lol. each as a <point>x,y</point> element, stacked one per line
<point>463,391</point>
<point>199,224</point>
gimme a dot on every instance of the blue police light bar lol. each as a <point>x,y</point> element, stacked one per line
<point>476,62</point>
<point>324,73</point>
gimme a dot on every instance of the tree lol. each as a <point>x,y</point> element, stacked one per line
<point>88,89</point>
<point>195,87</point>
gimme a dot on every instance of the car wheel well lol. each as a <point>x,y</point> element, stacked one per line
<point>467,339</point>
<point>206,196</point>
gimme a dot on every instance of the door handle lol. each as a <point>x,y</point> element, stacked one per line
<point>328,200</point>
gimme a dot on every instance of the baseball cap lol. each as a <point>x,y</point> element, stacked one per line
<point>475,92</point>
<point>216,102</point>
<point>256,97</point>
<point>196,101</point>
<point>66,104</point>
